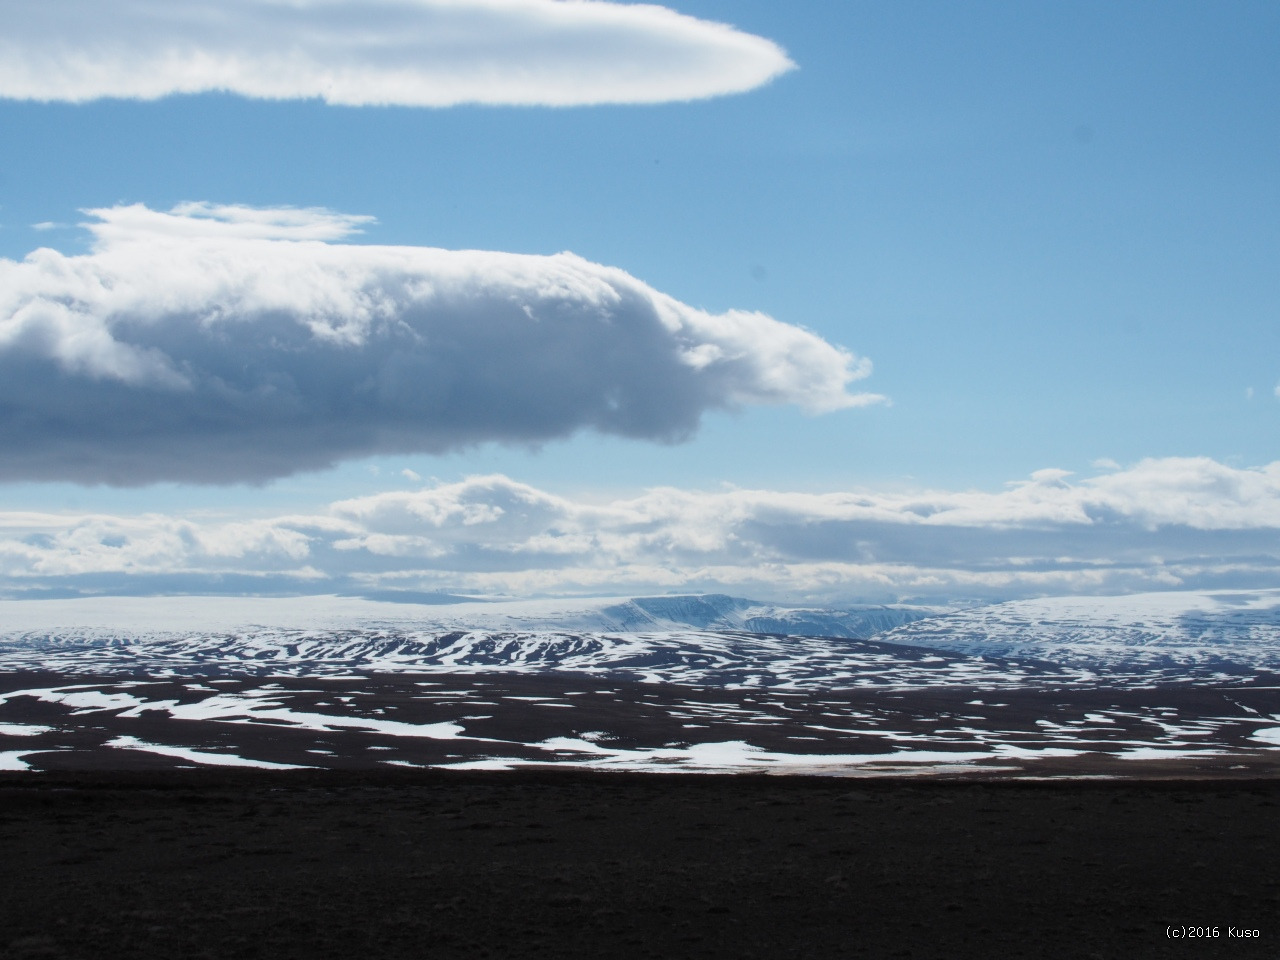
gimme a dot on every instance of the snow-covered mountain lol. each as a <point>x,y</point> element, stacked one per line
<point>1199,633</point>
<point>710,640</point>
<point>687,657</point>
<point>719,612</point>
<point>697,640</point>
<point>139,617</point>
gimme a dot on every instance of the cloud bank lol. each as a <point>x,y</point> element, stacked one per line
<point>420,53</point>
<point>223,344</point>
<point>1161,524</point>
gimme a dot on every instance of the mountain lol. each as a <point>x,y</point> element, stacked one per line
<point>164,616</point>
<point>690,658</point>
<point>698,640</point>
<point>659,683</point>
<point>710,640</point>
<point>719,612</point>
<point>1202,635</point>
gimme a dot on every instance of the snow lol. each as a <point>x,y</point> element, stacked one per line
<point>1207,635</point>
<point>1162,753</point>
<point>1214,635</point>
<point>725,659</point>
<point>735,756</point>
<point>88,700</point>
<point>22,730</point>
<point>1013,751</point>
<point>12,760</point>
<point>874,740</point>
<point>1117,642</point>
<point>253,706</point>
<point>231,708</point>
<point>197,756</point>
<point>115,616</point>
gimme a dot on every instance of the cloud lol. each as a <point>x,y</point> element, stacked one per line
<point>224,344</point>
<point>1160,524</point>
<point>421,53</point>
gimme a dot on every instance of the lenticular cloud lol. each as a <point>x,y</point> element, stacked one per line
<point>359,52</point>
<point>228,344</point>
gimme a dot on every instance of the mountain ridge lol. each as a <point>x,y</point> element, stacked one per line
<point>1239,629</point>
<point>1222,636</point>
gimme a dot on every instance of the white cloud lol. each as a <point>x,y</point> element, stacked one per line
<point>1176,522</point>
<point>432,53</point>
<point>222,344</point>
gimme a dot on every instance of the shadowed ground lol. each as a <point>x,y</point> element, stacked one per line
<point>559,863</point>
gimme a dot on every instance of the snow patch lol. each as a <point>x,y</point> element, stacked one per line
<point>22,730</point>
<point>12,760</point>
<point>198,756</point>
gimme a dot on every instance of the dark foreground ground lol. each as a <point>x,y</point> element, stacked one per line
<point>564,864</point>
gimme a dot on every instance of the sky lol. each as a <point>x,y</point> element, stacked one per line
<point>813,302</point>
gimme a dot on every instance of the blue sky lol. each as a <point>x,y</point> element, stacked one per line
<point>1053,229</point>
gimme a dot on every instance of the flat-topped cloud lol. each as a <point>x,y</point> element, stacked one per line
<point>420,53</point>
<point>1175,523</point>
<point>226,344</point>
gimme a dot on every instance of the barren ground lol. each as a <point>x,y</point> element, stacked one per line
<point>566,864</point>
